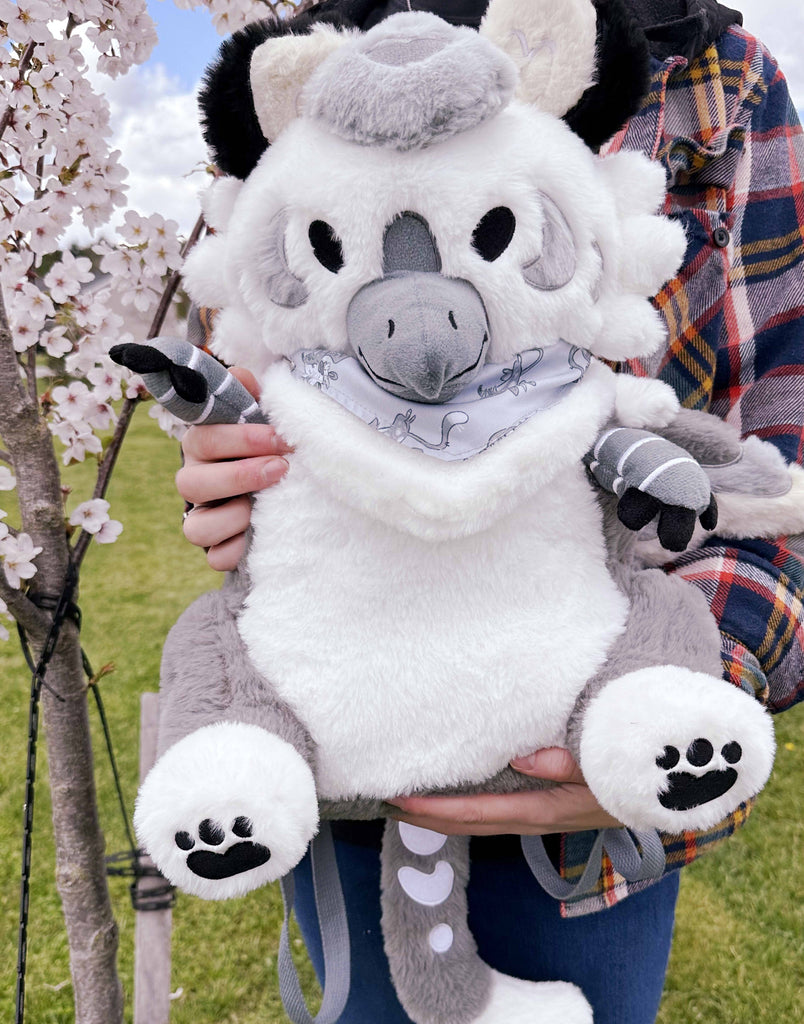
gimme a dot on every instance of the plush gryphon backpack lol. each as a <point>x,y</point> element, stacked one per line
<point>425,269</point>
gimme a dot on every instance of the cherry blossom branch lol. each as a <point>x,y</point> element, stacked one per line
<point>22,67</point>
<point>113,450</point>
<point>22,610</point>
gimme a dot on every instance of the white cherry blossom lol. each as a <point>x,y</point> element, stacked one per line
<point>18,554</point>
<point>7,483</point>
<point>90,515</point>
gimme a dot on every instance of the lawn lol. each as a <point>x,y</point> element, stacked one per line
<point>740,931</point>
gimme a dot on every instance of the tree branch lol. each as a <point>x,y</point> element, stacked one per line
<point>113,450</point>
<point>32,619</point>
<point>22,67</point>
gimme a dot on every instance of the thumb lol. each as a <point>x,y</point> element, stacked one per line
<point>553,763</point>
<point>247,379</point>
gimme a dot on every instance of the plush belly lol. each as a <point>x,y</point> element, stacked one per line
<point>417,664</point>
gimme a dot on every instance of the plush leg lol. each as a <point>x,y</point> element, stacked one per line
<point>231,802</point>
<point>663,741</point>
<point>435,967</point>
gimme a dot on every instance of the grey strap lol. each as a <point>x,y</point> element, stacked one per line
<point>621,847</point>
<point>334,929</point>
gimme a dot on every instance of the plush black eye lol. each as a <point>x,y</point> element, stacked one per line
<point>493,233</point>
<point>326,245</point>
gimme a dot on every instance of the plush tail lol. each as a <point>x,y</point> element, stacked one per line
<point>188,382</point>
<point>436,969</point>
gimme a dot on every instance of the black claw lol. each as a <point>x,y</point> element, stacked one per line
<point>188,384</point>
<point>676,527</point>
<point>635,509</point>
<point>140,358</point>
<point>709,516</point>
<point>211,832</point>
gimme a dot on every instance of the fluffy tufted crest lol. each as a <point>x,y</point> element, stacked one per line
<point>408,82</point>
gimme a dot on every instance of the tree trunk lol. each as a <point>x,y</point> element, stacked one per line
<point>80,865</point>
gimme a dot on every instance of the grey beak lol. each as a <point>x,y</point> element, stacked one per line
<point>418,334</point>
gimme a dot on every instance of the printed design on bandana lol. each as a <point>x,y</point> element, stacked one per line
<point>400,429</point>
<point>511,378</point>
<point>317,367</point>
<point>501,398</point>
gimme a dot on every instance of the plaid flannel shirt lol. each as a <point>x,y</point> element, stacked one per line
<point>726,131</point>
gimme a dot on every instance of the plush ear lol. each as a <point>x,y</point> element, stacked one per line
<point>228,116</point>
<point>552,44</point>
<point>280,69</point>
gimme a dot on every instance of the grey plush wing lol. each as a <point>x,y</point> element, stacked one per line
<point>189,382</point>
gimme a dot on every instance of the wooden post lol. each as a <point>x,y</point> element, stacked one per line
<point>152,927</point>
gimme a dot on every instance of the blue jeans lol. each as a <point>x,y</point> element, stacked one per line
<point>618,957</point>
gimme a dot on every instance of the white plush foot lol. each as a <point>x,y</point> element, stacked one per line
<point>227,809</point>
<point>513,1001</point>
<point>668,748</point>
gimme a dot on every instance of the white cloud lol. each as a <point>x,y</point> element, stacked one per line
<point>155,125</point>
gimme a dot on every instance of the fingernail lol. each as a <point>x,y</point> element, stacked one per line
<point>274,469</point>
<point>523,764</point>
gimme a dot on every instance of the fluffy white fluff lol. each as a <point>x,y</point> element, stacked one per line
<point>454,653</point>
<point>426,497</point>
<point>629,723</point>
<point>552,45</point>
<point>643,402</point>
<point>506,161</point>
<point>513,1001</point>
<point>220,772</point>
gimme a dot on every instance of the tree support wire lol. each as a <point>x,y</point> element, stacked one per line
<point>149,890</point>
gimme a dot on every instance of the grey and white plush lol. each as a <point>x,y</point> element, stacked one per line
<point>408,624</point>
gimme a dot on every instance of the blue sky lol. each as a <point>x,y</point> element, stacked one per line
<point>187,41</point>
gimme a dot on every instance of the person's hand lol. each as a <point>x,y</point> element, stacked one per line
<point>223,464</point>
<point>568,807</point>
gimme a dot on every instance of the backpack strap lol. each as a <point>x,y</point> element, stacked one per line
<point>635,863</point>
<point>332,922</point>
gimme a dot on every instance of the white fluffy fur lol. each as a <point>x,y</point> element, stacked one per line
<point>644,402</point>
<point>513,1001</point>
<point>431,499</point>
<point>202,271</point>
<point>360,189</point>
<point>628,724</point>
<point>217,201</point>
<point>552,45</point>
<point>454,653</point>
<point>220,772</point>
<point>280,68</point>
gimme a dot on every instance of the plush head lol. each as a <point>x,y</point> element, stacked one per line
<point>423,207</point>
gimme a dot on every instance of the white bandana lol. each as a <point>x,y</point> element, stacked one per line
<point>501,398</point>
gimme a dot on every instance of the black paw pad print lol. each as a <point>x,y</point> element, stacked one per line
<point>685,789</point>
<point>234,860</point>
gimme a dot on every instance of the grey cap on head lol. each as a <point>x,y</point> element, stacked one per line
<point>409,82</point>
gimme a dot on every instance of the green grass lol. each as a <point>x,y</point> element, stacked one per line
<point>740,930</point>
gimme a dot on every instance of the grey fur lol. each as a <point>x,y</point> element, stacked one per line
<point>450,987</point>
<point>733,465</point>
<point>708,439</point>
<point>282,286</point>
<point>419,335</point>
<point>409,245</point>
<point>555,266</point>
<point>409,82</point>
<point>669,623</point>
<point>205,645</point>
